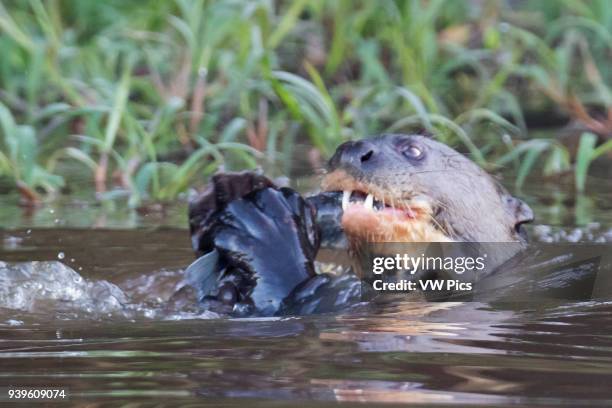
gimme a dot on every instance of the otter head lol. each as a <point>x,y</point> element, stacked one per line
<point>410,188</point>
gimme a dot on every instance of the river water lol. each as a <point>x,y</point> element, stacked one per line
<point>85,309</point>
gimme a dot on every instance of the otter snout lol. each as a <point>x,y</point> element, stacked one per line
<point>355,156</point>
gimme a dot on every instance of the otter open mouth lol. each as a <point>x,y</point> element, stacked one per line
<point>374,214</point>
<point>362,201</point>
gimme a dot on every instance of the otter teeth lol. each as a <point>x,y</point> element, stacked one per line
<point>369,202</point>
<point>346,198</point>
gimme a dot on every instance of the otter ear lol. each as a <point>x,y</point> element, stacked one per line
<point>521,212</point>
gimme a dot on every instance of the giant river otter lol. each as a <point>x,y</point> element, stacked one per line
<point>412,188</point>
<point>263,239</point>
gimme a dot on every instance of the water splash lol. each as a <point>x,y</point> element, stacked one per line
<point>43,286</point>
<point>52,289</point>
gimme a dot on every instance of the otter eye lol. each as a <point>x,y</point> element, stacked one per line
<point>412,152</point>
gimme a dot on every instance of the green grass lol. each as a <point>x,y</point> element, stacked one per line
<point>152,97</point>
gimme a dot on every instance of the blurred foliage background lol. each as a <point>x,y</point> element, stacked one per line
<point>150,97</point>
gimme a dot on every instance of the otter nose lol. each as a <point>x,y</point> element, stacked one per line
<point>353,154</point>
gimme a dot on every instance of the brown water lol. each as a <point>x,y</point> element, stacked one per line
<point>133,350</point>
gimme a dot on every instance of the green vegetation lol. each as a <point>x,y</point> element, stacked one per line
<point>150,96</point>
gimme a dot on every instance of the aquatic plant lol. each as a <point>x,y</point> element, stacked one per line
<point>152,97</point>
<point>19,158</point>
<point>587,153</point>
